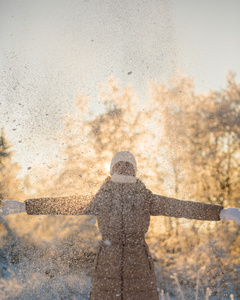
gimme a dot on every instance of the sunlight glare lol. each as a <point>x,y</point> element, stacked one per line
<point>107,167</point>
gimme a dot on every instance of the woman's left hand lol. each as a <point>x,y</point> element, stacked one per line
<point>230,214</point>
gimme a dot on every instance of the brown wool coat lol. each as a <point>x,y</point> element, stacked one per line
<point>123,267</point>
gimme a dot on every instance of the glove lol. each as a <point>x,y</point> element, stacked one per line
<point>230,214</point>
<point>11,207</point>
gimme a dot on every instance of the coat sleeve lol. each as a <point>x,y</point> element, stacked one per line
<point>72,205</point>
<point>164,206</point>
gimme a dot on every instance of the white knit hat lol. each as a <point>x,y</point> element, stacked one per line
<point>123,156</point>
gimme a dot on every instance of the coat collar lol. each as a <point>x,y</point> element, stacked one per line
<point>110,185</point>
<point>123,178</point>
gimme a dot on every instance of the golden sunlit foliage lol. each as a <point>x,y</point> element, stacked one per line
<point>174,137</point>
<point>202,139</point>
<point>91,141</point>
<point>9,183</point>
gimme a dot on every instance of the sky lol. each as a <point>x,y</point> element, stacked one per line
<point>52,50</point>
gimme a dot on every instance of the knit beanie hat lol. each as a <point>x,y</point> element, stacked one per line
<point>123,156</point>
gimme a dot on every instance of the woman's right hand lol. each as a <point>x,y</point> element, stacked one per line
<point>11,207</point>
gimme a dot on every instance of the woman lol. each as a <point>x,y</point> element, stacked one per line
<point>123,267</point>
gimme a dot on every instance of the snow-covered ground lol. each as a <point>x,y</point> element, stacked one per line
<point>59,267</point>
<point>28,281</point>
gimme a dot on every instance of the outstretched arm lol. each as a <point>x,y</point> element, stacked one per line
<point>71,205</point>
<point>160,205</point>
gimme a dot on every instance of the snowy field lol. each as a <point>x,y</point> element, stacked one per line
<point>60,268</point>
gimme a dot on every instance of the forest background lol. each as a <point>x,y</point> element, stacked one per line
<point>186,145</point>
